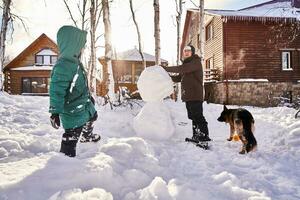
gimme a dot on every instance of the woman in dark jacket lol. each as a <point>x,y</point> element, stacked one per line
<point>191,78</point>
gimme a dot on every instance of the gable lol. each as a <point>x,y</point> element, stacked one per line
<point>43,44</point>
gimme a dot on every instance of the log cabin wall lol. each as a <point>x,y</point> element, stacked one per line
<point>17,76</point>
<point>254,50</point>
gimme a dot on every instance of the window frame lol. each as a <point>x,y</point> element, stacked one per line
<point>209,28</point>
<point>43,58</point>
<point>30,80</point>
<point>209,61</point>
<point>289,64</point>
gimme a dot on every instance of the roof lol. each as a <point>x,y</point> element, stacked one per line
<point>28,50</point>
<point>133,55</point>
<point>269,11</point>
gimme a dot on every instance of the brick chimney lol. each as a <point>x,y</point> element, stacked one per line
<point>296,3</point>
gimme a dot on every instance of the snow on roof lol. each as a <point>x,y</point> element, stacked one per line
<point>134,55</point>
<point>249,80</point>
<point>33,67</point>
<point>273,10</point>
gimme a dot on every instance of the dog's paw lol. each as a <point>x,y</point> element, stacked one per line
<point>242,152</point>
<point>251,148</point>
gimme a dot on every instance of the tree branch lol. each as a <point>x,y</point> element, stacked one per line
<point>70,13</point>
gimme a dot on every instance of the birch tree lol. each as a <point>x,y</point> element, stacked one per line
<point>201,30</point>
<point>5,20</point>
<point>108,49</point>
<point>82,8</point>
<point>157,32</point>
<point>138,34</point>
<point>95,13</point>
<point>178,4</point>
<point>178,27</point>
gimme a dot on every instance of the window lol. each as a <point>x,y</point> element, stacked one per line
<point>209,31</point>
<point>45,57</point>
<point>123,72</point>
<point>286,60</point>
<point>53,59</point>
<point>39,60</point>
<point>35,85</point>
<point>209,63</point>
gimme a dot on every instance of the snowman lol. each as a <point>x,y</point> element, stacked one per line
<point>154,120</point>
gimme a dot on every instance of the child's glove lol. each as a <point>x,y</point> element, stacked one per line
<point>55,121</point>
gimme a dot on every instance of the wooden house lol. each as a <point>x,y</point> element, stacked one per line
<point>29,72</point>
<point>127,67</point>
<point>260,43</point>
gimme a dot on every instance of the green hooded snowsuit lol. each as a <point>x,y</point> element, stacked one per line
<point>69,93</point>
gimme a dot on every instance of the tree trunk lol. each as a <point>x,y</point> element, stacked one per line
<point>178,23</point>
<point>83,13</point>
<point>156,32</point>
<point>92,67</point>
<point>138,33</point>
<point>201,30</point>
<point>177,91</point>
<point>108,50</point>
<point>5,20</point>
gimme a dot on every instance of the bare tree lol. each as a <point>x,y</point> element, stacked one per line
<point>82,10</point>
<point>6,17</point>
<point>178,27</point>
<point>95,13</point>
<point>157,32</point>
<point>201,30</point>
<point>108,49</point>
<point>138,33</point>
<point>178,4</point>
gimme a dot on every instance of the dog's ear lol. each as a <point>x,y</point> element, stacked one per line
<point>224,107</point>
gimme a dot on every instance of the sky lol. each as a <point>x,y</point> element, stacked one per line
<point>47,16</point>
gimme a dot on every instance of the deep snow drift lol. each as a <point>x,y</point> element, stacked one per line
<point>125,166</point>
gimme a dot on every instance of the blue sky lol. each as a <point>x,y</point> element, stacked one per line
<point>46,16</point>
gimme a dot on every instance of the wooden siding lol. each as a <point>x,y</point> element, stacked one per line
<point>214,46</point>
<point>253,50</point>
<point>16,78</point>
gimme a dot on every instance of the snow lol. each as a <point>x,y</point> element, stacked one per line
<point>154,120</point>
<point>33,67</point>
<point>77,194</point>
<point>249,80</point>
<point>282,9</point>
<point>126,166</point>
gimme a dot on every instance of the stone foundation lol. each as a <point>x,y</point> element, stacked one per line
<point>252,93</point>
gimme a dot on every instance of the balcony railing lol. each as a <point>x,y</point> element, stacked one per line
<point>211,75</point>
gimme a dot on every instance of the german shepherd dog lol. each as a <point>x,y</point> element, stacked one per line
<point>242,123</point>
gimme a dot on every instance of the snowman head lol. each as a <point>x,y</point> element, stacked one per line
<point>154,84</point>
